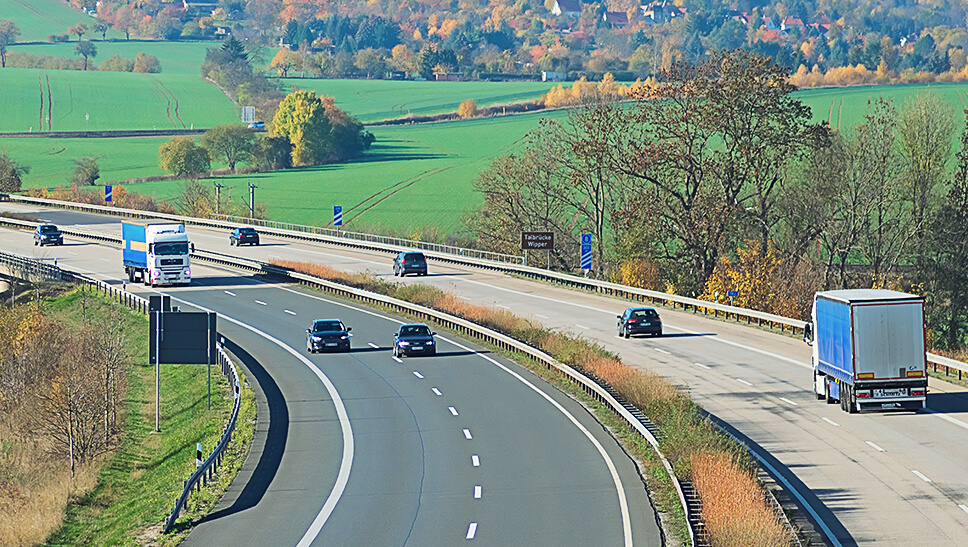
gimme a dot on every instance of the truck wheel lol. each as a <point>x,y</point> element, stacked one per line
<point>829,400</point>
<point>849,406</point>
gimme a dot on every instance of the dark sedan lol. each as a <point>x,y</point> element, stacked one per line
<point>328,334</point>
<point>244,236</point>
<point>414,339</point>
<point>639,321</point>
<point>410,263</point>
<point>48,234</point>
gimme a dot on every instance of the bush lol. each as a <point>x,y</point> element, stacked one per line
<point>467,109</point>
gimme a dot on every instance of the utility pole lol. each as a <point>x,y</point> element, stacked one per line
<point>252,188</point>
<point>218,197</point>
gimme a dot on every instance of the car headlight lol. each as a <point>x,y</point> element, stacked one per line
<point>315,338</point>
<point>402,343</point>
<point>156,273</point>
<point>188,272</point>
<point>344,337</point>
<point>429,343</point>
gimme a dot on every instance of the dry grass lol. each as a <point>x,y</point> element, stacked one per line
<point>734,501</point>
<point>733,505</point>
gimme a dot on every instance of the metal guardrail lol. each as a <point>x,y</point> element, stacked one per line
<point>206,471</point>
<point>16,263</point>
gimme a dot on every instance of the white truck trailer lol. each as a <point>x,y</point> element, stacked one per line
<point>868,349</point>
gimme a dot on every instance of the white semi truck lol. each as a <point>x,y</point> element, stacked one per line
<point>868,349</point>
<point>156,253</point>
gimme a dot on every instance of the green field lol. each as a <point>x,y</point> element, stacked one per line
<point>38,19</point>
<point>845,107</point>
<point>375,100</point>
<point>77,101</point>
<point>175,57</point>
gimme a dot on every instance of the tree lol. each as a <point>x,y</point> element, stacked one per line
<point>467,109</point>
<point>232,142</point>
<point>302,119</point>
<point>369,61</point>
<point>196,200</point>
<point>182,157</point>
<point>284,61</point>
<point>86,49</point>
<point>80,29</point>
<point>146,63</point>
<point>100,27</point>
<point>9,31</point>
<point>86,171</point>
<point>272,152</point>
<point>926,127</point>
<point>11,173</point>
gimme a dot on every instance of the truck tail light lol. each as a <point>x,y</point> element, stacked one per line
<point>919,392</point>
<point>863,394</point>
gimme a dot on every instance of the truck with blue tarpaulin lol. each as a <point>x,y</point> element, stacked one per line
<point>869,350</point>
<point>156,253</point>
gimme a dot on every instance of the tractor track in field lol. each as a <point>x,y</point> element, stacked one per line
<point>40,82</point>
<point>50,104</point>
<point>30,7</point>
<point>168,91</point>
<point>158,88</point>
<point>962,99</point>
<point>390,191</point>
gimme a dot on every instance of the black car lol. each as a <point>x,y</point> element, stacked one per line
<point>244,236</point>
<point>328,334</point>
<point>410,262</point>
<point>639,321</point>
<point>48,234</point>
<point>414,339</point>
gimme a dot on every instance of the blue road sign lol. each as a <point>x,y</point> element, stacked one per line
<point>586,251</point>
<point>732,293</point>
<point>107,193</point>
<point>337,215</point>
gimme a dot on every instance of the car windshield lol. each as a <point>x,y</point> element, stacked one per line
<point>169,249</point>
<point>322,326</point>
<point>48,229</point>
<point>246,230</point>
<point>417,330</point>
<point>643,314</point>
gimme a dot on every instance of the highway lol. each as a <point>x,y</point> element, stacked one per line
<point>366,449</point>
<point>895,478</point>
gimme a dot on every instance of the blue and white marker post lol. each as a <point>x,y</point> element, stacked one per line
<point>337,217</point>
<point>586,253</point>
<point>108,189</point>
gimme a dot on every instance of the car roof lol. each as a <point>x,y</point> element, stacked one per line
<point>641,309</point>
<point>326,321</point>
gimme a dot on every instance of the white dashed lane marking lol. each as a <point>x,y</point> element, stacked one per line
<point>831,422</point>
<point>230,293</point>
<point>788,401</point>
<point>875,447</point>
<point>477,492</point>
<point>476,460</point>
<point>472,530</point>
<point>261,303</point>
<point>290,312</point>
<point>452,410</point>
<point>920,475</point>
<point>436,392</point>
<point>707,367</point>
<point>372,345</point>
<point>418,375</point>
<point>740,380</point>
<point>467,434</point>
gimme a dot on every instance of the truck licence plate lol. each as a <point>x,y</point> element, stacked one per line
<point>896,392</point>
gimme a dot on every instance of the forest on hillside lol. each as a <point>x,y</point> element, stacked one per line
<point>893,40</point>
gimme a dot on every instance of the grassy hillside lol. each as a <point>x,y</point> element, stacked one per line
<point>374,100</point>
<point>38,19</point>
<point>77,101</point>
<point>175,57</point>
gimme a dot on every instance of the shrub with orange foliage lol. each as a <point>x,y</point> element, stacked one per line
<point>757,278</point>
<point>733,505</point>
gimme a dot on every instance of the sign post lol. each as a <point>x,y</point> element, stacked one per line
<point>731,294</point>
<point>537,241</point>
<point>586,253</point>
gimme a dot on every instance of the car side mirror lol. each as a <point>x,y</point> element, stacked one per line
<point>309,331</point>
<point>349,329</point>
<point>808,334</point>
<point>433,334</point>
<point>618,316</point>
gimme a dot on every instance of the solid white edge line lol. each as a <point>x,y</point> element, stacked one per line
<point>541,316</point>
<point>946,418</point>
<point>346,463</point>
<point>471,530</point>
<point>620,489</point>
<point>920,475</point>
<point>875,447</point>
<point>831,422</point>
